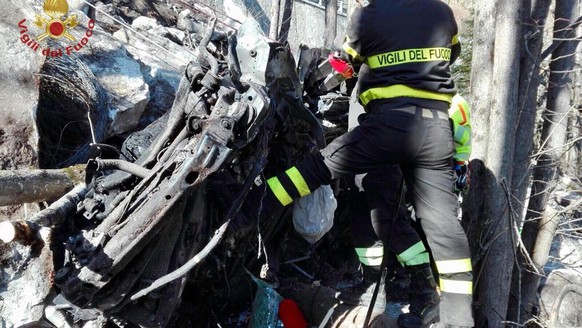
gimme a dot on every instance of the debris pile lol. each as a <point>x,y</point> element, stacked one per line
<point>166,229</point>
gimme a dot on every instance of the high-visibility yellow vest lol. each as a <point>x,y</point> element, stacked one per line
<point>460,113</point>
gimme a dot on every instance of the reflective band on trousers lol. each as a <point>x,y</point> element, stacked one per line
<point>279,191</point>
<point>371,256</point>
<point>406,56</point>
<point>456,286</point>
<point>414,255</point>
<point>419,259</point>
<point>298,181</point>
<point>454,266</point>
<point>399,90</point>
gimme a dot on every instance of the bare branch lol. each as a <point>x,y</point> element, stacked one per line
<point>572,27</point>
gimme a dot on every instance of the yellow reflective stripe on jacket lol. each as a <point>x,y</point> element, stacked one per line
<point>454,266</point>
<point>456,286</point>
<point>298,181</point>
<point>399,90</point>
<point>371,256</point>
<point>405,56</point>
<point>414,255</point>
<point>279,191</point>
<point>351,51</point>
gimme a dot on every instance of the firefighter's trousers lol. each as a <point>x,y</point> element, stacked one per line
<point>383,215</point>
<point>421,142</point>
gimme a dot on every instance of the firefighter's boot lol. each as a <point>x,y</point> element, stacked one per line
<point>362,293</point>
<point>424,300</point>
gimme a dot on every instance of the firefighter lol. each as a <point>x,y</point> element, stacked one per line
<point>460,114</point>
<point>405,49</point>
<point>381,190</point>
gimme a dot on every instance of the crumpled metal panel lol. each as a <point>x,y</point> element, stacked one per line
<point>253,53</point>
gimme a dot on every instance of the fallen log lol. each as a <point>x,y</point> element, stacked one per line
<point>33,186</point>
<point>17,230</point>
<point>57,212</point>
<point>27,231</point>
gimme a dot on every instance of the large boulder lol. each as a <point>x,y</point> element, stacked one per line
<point>568,312</point>
<point>19,70</point>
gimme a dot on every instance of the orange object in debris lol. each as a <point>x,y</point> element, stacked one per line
<point>341,66</point>
<point>291,315</point>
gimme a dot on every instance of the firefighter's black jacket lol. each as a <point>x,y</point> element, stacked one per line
<point>407,47</point>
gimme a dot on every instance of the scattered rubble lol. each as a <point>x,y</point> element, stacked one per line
<point>150,240</point>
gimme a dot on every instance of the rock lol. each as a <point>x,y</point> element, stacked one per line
<point>25,282</point>
<point>186,22</point>
<point>569,311</point>
<point>161,60</point>
<point>144,23</point>
<point>106,16</point>
<point>151,48</point>
<point>19,68</point>
<point>72,112</point>
<point>121,77</point>
<point>567,198</point>
<point>570,252</point>
<point>195,23</point>
<point>18,90</point>
<point>150,25</point>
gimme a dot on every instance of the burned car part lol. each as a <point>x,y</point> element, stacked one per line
<point>153,220</point>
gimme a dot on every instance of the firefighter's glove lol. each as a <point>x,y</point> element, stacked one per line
<point>462,173</point>
<point>341,65</point>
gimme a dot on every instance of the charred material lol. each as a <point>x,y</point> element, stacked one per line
<point>159,221</point>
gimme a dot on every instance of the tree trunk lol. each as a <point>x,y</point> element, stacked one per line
<point>528,95</point>
<point>545,172</point>
<point>496,100</point>
<point>481,75</point>
<point>33,186</point>
<point>574,158</point>
<point>330,22</point>
<point>274,28</point>
<point>286,23</point>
